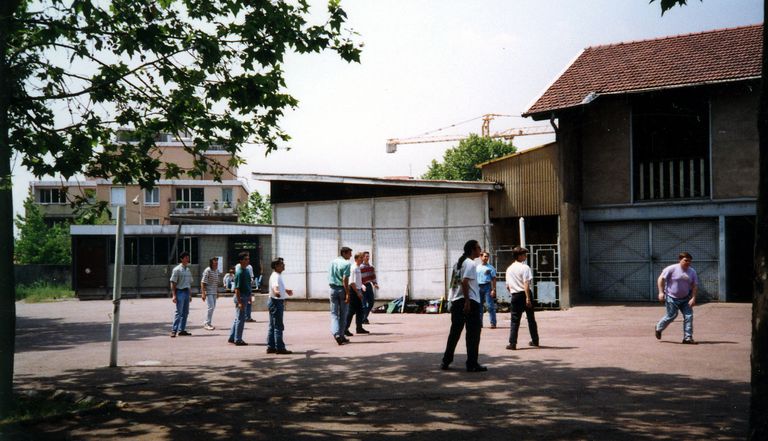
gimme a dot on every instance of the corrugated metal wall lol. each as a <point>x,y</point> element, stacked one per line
<point>530,180</point>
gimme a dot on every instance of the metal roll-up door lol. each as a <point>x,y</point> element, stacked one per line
<point>698,237</point>
<point>626,258</point>
<point>619,261</point>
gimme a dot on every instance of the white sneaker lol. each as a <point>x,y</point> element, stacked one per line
<point>208,327</point>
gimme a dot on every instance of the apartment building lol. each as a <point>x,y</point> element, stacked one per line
<point>171,201</point>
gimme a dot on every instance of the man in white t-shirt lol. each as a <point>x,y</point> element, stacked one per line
<point>356,305</point>
<point>519,277</point>
<point>276,306</point>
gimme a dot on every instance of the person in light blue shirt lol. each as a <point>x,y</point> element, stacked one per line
<point>241,298</point>
<point>486,278</point>
<point>338,281</point>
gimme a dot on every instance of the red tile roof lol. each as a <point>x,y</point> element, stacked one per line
<point>707,57</point>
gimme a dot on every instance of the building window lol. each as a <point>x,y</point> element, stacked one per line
<point>151,221</point>
<point>155,250</point>
<point>117,196</point>
<point>188,244</point>
<point>161,252</point>
<point>670,143</point>
<point>51,196</point>
<point>190,198</point>
<point>226,196</point>
<point>152,197</point>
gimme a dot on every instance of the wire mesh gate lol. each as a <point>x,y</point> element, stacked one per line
<point>544,260</point>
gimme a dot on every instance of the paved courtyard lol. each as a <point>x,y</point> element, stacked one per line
<point>599,375</point>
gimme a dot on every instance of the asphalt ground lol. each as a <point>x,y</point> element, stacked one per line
<point>599,374</point>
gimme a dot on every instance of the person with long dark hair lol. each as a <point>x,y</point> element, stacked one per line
<point>465,309</point>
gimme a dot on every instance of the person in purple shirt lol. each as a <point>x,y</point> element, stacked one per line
<point>678,285</point>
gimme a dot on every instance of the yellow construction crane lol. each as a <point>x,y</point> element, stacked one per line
<point>484,132</point>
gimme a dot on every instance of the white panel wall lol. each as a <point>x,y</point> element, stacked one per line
<point>323,245</point>
<point>464,210</point>
<point>289,244</point>
<point>428,247</point>
<point>356,214</point>
<point>391,251</point>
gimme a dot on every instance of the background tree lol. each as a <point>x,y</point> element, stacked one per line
<point>38,243</point>
<point>257,210</point>
<point>460,162</point>
<point>74,71</point>
<point>758,409</point>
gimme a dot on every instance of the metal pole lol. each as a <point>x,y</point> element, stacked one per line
<point>522,233</point>
<point>117,288</point>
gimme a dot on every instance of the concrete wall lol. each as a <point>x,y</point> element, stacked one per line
<point>735,144</point>
<point>51,274</point>
<point>606,154</point>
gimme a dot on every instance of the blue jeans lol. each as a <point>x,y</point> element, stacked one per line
<point>182,310</point>
<point>673,305</point>
<point>355,308</point>
<point>368,300</point>
<point>248,308</point>
<point>490,302</point>
<point>210,301</point>
<point>236,334</point>
<point>338,311</point>
<point>276,326</point>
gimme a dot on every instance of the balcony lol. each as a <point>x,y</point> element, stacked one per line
<point>213,208</point>
<point>672,179</point>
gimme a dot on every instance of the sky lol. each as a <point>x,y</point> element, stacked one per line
<point>431,64</point>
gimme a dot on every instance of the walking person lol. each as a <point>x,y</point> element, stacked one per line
<point>678,285</point>
<point>181,281</point>
<point>209,290</point>
<point>276,305</point>
<point>486,279</point>
<point>368,273</point>
<point>465,307</point>
<point>519,277</point>
<point>249,305</point>
<point>338,281</point>
<point>241,298</point>
<point>355,307</point>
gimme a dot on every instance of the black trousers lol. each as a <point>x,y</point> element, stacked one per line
<point>518,306</point>
<point>356,309</point>
<point>473,323</point>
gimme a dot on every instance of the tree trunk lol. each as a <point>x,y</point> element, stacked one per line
<point>758,416</point>
<point>7,283</point>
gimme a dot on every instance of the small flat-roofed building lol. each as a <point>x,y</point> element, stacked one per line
<point>414,229</point>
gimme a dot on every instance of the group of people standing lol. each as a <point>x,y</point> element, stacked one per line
<point>240,281</point>
<point>352,281</point>
<point>474,284</point>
